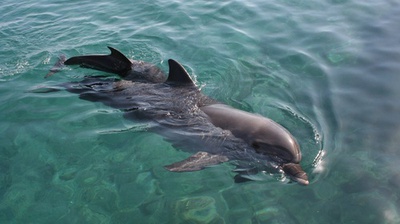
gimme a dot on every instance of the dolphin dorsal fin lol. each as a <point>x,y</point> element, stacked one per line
<point>121,57</point>
<point>115,62</point>
<point>178,74</point>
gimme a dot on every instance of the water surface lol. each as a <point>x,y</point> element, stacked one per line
<point>326,70</point>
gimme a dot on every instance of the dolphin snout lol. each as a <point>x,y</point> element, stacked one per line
<point>296,173</point>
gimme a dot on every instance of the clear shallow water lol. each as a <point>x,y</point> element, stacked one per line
<point>328,71</point>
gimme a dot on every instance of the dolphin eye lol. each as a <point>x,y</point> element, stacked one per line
<point>255,145</point>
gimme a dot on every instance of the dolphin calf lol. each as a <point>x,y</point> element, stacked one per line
<point>191,121</point>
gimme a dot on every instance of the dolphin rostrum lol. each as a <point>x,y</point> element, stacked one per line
<point>191,121</point>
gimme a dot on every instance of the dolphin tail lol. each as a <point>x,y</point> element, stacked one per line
<point>115,62</point>
<point>196,162</point>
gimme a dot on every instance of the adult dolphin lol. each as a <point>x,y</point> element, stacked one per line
<point>177,110</point>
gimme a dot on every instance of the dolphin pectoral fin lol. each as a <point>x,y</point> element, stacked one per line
<point>115,62</point>
<point>240,179</point>
<point>196,162</point>
<point>245,174</point>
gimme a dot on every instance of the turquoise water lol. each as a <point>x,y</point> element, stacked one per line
<point>326,70</point>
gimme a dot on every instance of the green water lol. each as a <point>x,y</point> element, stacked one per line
<point>326,70</point>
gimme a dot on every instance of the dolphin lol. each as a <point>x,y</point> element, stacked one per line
<point>177,109</point>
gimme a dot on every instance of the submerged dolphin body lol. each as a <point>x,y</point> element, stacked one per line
<point>191,121</point>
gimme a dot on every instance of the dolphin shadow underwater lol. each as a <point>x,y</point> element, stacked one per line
<point>191,121</point>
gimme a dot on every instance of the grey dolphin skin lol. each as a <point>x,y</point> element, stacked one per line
<point>176,109</point>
